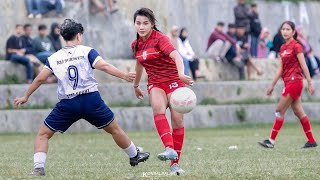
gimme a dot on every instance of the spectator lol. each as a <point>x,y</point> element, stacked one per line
<point>312,61</point>
<point>262,46</point>
<point>50,5</point>
<point>42,44</point>
<point>174,36</point>
<point>276,44</point>
<point>27,40</point>
<point>185,50</point>
<point>15,52</point>
<point>33,8</point>
<point>28,45</point>
<point>255,30</point>
<point>242,40</point>
<point>219,43</point>
<point>233,55</point>
<point>54,36</point>
<point>98,6</point>
<point>242,14</point>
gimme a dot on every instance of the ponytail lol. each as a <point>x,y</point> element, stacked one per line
<point>136,45</point>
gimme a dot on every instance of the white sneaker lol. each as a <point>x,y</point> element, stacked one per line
<point>175,169</point>
<point>38,16</point>
<point>31,16</point>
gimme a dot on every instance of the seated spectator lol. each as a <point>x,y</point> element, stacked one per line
<point>15,52</point>
<point>219,43</point>
<point>242,40</point>
<point>54,36</point>
<point>33,8</point>
<point>276,44</point>
<point>28,45</point>
<point>262,46</point>
<point>233,55</point>
<point>174,35</point>
<point>188,56</point>
<point>42,44</point>
<point>185,50</point>
<point>50,5</point>
<point>98,6</point>
<point>312,61</point>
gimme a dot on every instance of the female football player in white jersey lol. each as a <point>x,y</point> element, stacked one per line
<point>78,94</point>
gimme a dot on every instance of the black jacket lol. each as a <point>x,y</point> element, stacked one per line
<point>255,25</point>
<point>28,44</point>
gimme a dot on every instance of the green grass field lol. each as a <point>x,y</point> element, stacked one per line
<point>205,155</point>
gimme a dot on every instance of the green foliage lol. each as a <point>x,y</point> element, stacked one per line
<point>10,79</point>
<point>209,101</point>
<point>241,114</point>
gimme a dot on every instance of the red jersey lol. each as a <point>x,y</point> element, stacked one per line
<point>153,54</point>
<point>291,71</point>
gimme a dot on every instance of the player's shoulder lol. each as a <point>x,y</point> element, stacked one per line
<point>85,48</point>
<point>159,35</point>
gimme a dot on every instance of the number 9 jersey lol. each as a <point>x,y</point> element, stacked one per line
<point>73,66</point>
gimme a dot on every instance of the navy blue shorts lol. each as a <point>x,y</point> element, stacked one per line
<point>86,106</point>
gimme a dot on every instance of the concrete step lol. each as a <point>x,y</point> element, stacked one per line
<point>212,70</point>
<point>137,119</point>
<point>228,92</point>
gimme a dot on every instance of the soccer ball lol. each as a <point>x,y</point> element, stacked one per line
<point>183,100</point>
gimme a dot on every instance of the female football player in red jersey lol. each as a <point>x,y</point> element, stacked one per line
<point>164,67</point>
<point>291,67</point>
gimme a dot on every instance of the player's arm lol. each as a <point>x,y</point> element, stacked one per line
<point>275,79</point>
<point>110,69</point>
<point>139,71</point>
<point>40,79</point>
<point>180,67</point>
<point>306,72</point>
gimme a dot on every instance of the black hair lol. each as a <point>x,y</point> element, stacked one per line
<point>180,35</point>
<point>254,5</point>
<point>220,23</point>
<point>42,27</point>
<point>26,26</point>
<point>19,25</point>
<point>231,26</point>
<point>69,29</point>
<point>293,27</point>
<point>147,13</point>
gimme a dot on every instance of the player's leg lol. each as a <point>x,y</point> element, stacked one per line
<point>41,149</point>
<point>177,124</point>
<point>100,115</point>
<point>284,103</point>
<point>159,104</point>
<point>123,141</point>
<point>304,120</point>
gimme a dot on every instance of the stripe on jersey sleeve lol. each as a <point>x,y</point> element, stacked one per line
<point>47,65</point>
<point>93,57</point>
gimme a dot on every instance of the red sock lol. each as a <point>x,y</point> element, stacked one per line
<point>163,129</point>
<point>276,128</point>
<point>178,137</point>
<point>307,128</point>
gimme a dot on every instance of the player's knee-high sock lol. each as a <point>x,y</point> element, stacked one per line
<point>178,137</point>
<point>307,128</point>
<point>131,151</point>
<point>39,159</point>
<point>163,129</point>
<point>276,128</point>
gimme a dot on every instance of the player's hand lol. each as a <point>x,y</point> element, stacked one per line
<point>19,101</point>
<point>269,91</point>
<point>311,88</point>
<point>186,79</point>
<point>139,93</point>
<point>130,76</point>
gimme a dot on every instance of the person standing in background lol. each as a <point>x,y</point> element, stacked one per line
<point>242,14</point>
<point>255,30</point>
<point>185,49</point>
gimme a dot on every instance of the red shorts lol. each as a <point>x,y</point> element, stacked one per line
<point>168,87</point>
<point>293,89</point>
